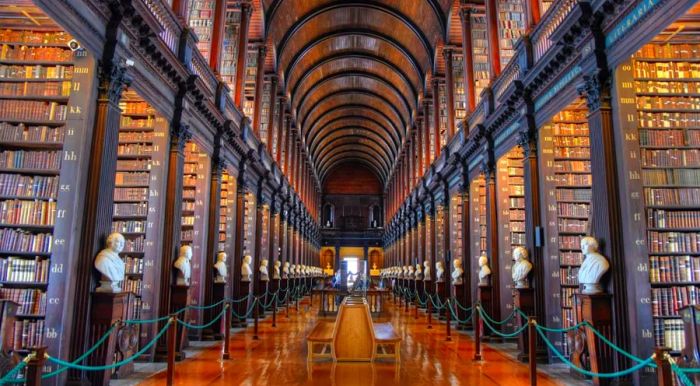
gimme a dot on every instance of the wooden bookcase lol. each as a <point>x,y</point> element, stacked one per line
<point>512,22</point>
<point>510,185</point>
<point>249,208</point>
<point>480,52</point>
<point>227,218</point>
<point>194,223</point>
<point>565,165</point>
<point>249,83</point>
<point>459,85</point>
<point>443,114</point>
<point>456,243</point>
<point>201,21</point>
<point>477,242</point>
<point>229,51</point>
<point>265,112</point>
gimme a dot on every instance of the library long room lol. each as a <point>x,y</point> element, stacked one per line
<point>329,192</point>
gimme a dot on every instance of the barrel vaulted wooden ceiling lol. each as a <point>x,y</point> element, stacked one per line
<point>354,72</point>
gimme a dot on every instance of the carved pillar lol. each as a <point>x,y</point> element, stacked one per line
<point>212,246</point>
<point>493,40</point>
<point>488,168</point>
<point>259,83</point>
<point>271,116</point>
<point>468,54</point>
<point>533,13</point>
<point>99,189</point>
<point>281,130</point>
<point>436,119</point>
<point>246,11</point>
<point>449,91</point>
<point>180,8</point>
<point>217,35</point>
<point>427,159</point>
<point>240,288</point>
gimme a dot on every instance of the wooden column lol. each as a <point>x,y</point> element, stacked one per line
<point>99,190</point>
<point>450,91</point>
<point>427,158</point>
<point>492,247</point>
<point>466,237</point>
<point>468,55</point>
<point>281,126</point>
<point>217,36</point>
<point>259,83</point>
<point>246,11</point>
<point>493,40</point>
<point>180,8</point>
<point>533,13</point>
<point>436,120</point>
<point>239,287</point>
<point>271,117</point>
<point>212,246</point>
<point>258,257</point>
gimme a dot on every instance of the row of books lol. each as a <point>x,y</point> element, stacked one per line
<point>672,196</point>
<point>574,194</point>
<point>37,71</point>
<point>571,129</point>
<point>660,218</point>
<point>517,239</point>
<point>137,178</point>
<point>668,301</point>
<point>35,37</point>
<point>132,285</point>
<point>138,194</point>
<point>131,209</point>
<point>29,186</point>
<point>33,110</point>
<point>515,214</point>
<point>664,269</point>
<point>669,137</point>
<point>134,107</point>
<point>21,159</point>
<point>572,152</point>
<point>669,51</point>
<point>136,123</point>
<point>187,220</point>
<point>668,119</point>
<point>568,276</point>
<point>190,168</point>
<point>675,177</point>
<point>665,102</point>
<point>571,141</point>
<point>130,226</point>
<point>32,89</point>
<point>572,225</point>
<point>517,226</point>
<point>134,244</point>
<point>17,240</point>
<point>19,212</point>
<point>188,206</point>
<point>670,158</point>
<point>31,301</point>
<point>570,258</point>
<point>27,334</point>
<point>667,70</point>
<point>19,270</point>
<point>573,210</point>
<point>134,149</point>
<point>565,180</point>
<point>23,133</point>
<point>669,333</point>
<point>133,164</point>
<point>136,136</point>
<point>572,167</point>
<point>666,87</point>
<point>516,202</point>
<point>189,193</point>
<point>673,242</point>
<point>133,265</point>
<point>19,52</point>
<point>570,242</point>
<point>570,115</point>
<point>187,235</point>
<point>568,297</point>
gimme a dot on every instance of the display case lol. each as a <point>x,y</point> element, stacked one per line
<point>510,184</point>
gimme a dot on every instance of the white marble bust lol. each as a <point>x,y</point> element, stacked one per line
<point>264,273</point>
<point>246,270</point>
<point>285,270</point>
<point>457,272</point>
<point>182,264</point>
<point>426,270</point>
<point>593,268</point>
<point>293,270</point>
<point>439,272</point>
<point>276,270</point>
<point>522,267</point>
<point>110,265</point>
<point>484,270</point>
<point>221,268</point>
<point>419,272</point>
<point>411,272</point>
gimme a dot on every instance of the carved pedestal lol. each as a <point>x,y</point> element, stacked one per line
<point>524,298</point>
<point>179,299</point>
<point>412,290</point>
<point>460,296</point>
<point>440,291</point>
<point>241,307</point>
<point>274,285</point>
<point>690,355</point>
<point>106,309</point>
<point>263,297</point>
<point>213,332</point>
<point>485,295</point>
<point>597,310</point>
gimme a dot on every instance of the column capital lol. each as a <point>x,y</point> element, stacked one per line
<point>114,78</point>
<point>595,90</point>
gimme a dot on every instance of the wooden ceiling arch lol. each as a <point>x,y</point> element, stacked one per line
<point>376,155</point>
<point>318,118</point>
<point>336,142</point>
<point>358,154</point>
<point>352,131</point>
<point>357,122</point>
<point>352,161</point>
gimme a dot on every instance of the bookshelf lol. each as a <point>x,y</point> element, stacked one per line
<point>658,91</point>
<point>201,21</point>
<point>480,53</point>
<point>431,134</point>
<point>265,112</point>
<point>511,25</point>
<point>443,114</point>
<point>565,161</point>
<point>136,202</point>
<point>440,238</point>
<point>41,148</point>
<point>456,228</point>
<point>194,219</point>
<point>478,227</point>
<point>249,207</point>
<point>510,184</point>
<point>229,51</point>
<point>249,84</point>
<point>544,6</point>
<point>227,213</point>
<point>459,86</point>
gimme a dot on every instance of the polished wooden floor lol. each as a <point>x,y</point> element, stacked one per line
<point>279,358</point>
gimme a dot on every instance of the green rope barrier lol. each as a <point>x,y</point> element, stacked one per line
<point>268,305</point>
<point>85,355</point>
<point>247,314</point>
<point>501,334</point>
<point>436,306</point>
<point>8,378</point>
<point>567,329</point>
<point>203,326</point>
<point>521,313</point>
<point>145,348</point>
<point>146,321</point>
<point>491,320</point>
<point>420,302</point>
<point>646,363</point>
<point>614,346</point>
<point>465,309</point>
<point>456,317</point>
<point>194,307</point>
<point>681,374</point>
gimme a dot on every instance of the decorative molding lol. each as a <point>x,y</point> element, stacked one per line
<point>557,87</point>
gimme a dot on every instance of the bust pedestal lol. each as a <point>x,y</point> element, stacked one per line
<point>107,308</point>
<point>597,310</point>
<point>179,299</point>
<point>485,295</point>
<point>461,296</point>
<point>440,291</point>
<point>412,289</point>
<point>274,285</point>
<point>241,307</point>
<point>524,298</point>
<point>264,298</point>
<point>213,332</point>
<point>428,289</point>
<point>691,327</point>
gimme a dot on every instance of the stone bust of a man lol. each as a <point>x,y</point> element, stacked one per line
<point>521,268</point>
<point>593,268</point>
<point>182,264</point>
<point>110,265</point>
<point>220,268</point>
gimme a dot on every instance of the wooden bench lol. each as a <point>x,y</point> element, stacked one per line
<point>321,335</point>
<point>384,337</point>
